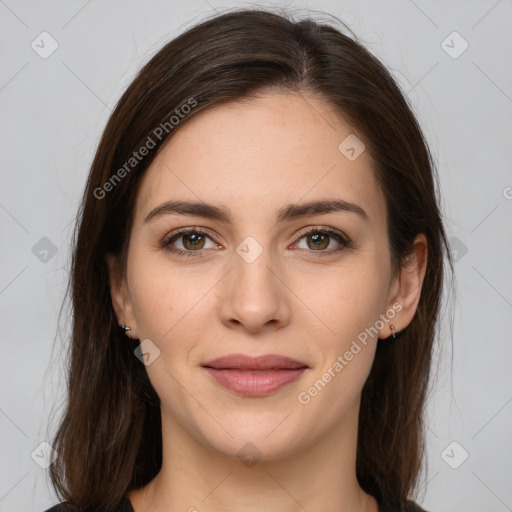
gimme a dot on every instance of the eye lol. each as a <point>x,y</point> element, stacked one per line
<point>193,241</point>
<point>318,239</point>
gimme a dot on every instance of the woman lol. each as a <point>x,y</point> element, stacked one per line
<point>256,279</point>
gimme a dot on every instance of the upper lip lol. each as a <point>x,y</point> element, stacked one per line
<point>245,362</point>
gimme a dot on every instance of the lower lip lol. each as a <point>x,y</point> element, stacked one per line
<point>255,383</point>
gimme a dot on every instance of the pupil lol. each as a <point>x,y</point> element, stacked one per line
<point>194,236</point>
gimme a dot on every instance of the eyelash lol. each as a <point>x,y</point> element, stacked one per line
<point>345,242</point>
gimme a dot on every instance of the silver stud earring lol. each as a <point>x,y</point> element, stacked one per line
<point>392,327</point>
<point>126,329</point>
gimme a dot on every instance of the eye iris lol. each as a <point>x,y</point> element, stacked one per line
<point>197,239</point>
<point>318,239</point>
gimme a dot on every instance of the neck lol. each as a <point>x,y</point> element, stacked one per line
<point>321,477</point>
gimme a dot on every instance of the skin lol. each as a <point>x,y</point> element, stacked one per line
<point>254,157</point>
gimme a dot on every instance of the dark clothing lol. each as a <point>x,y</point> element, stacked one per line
<point>126,506</point>
<point>411,507</point>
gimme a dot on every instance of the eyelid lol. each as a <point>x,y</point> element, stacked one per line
<point>324,229</point>
<point>166,240</point>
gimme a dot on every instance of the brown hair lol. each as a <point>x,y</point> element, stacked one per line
<point>109,440</point>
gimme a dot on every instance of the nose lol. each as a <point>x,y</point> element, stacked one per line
<point>254,295</point>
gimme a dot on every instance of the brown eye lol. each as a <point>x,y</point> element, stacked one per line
<point>193,240</point>
<point>318,240</point>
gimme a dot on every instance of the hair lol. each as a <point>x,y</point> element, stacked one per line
<point>109,441</point>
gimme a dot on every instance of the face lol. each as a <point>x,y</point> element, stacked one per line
<point>261,278</point>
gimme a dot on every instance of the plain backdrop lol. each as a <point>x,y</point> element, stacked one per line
<point>451,58</point>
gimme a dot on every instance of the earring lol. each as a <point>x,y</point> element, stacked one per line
<point>392,327</point>
<point>126,329</point>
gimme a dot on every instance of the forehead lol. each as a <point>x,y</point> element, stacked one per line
<point>260,153</point>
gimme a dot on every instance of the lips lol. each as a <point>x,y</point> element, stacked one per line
<point>243,362</point>
<point>254,376</point>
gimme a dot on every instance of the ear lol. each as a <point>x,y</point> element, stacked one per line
<point>405,290</point>
<point>121,300</point>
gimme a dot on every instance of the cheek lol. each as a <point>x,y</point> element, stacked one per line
<point>173,308</point>
<point>346,299</point>
<point>347,304</point>
<point>161,294</point>
<point>345,354</point>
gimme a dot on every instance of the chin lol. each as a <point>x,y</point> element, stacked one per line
<point>254,439</point>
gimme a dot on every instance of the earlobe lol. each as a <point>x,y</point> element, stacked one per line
<point>407,287</point>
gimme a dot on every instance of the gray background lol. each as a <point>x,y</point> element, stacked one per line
<point>53,111</point>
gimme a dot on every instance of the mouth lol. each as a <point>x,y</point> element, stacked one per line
<point>254,376</point>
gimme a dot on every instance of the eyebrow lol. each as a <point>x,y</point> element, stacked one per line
<point>286,213</point>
